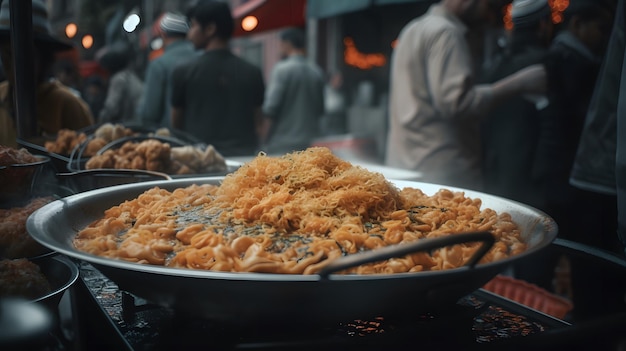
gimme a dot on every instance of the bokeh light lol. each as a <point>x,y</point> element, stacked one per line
<point>87,41</point>
<point>249,23</point>
<point>71,29</point>
<point>131,22</point>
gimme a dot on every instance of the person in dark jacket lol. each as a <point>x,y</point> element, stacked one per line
<point>510,133</point>
<point>600,163</point>
<point>572,68</point>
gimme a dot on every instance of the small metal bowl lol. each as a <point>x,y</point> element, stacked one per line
<point>61,272</point>
<point>26,324</point>
<point>17,181</point>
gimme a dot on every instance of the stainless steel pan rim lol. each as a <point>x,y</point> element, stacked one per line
<point>38,221</point>
<point>69,269</point>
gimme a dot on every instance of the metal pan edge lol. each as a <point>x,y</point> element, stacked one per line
<point>57,223</point>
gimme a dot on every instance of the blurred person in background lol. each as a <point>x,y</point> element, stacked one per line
<point>435,105</point>
<point>334,121</point>
<point>584,148</point>
<point>124,87</point>
<point>217,97</point>
<point>294,100</point>
<point>154,107</point>
<point>57,106</point>
<point>513,128</point>
<point>600,162</point>
<point>572,66</point>
<point>66,72</point>
<point>94,92</point>
<point>510,133</point>
<point>599,169</point>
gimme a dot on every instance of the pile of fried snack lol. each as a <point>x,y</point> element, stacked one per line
<point>19,277</point>
<point>15,242</point>
<point>22,278</point>
<point>67,140</point>
<point>12,156</point>
<point>151,154</point>
<point>155,155</point>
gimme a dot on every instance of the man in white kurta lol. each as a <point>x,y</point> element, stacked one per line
<point>434,106</point>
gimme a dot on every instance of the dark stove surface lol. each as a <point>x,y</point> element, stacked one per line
<point>480,320</point>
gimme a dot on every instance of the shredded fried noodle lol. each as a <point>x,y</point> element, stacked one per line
<point>294,214</point>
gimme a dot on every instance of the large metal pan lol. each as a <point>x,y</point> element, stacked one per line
<point>260,298</point>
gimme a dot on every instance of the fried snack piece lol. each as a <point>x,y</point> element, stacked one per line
<point>12,156</point>
<point>154,155</point>
<point>109,132</point>
<point>15,242</point>
<point>94,146</point>
<point>105,160</point>
<point>105,134</point>
<point>164,132</point>
<point>65,142</point>
<point>22,278</point>
<point>192,160</point>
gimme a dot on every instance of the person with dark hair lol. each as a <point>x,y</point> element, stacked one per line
<point>600,163</point>
<point>572,68</point>
<point>599,170</point>
<point>293,36</point>
<point>335,106</point>
<point>513,128</point>
<point>217,97</point>
<point>66,72</point>
<point>57,107</point>
<point>294,101</point>
<point>124,87</point>
<point>94,93</point>
<point>155,106</point>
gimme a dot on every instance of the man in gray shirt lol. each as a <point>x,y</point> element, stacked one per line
<point>294,100</point>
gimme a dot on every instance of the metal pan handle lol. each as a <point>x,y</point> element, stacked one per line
<point>115,171</point>
<point>487,239</point>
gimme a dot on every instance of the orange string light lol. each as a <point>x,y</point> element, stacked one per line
<point>353,57</point>
<point>557,7</point>
<point>507,18</point>
<point>87,41</point>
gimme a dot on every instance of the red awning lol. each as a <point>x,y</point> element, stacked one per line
<point>271,14</point>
